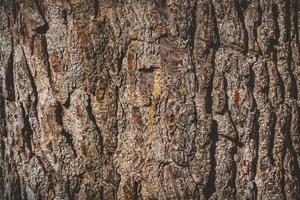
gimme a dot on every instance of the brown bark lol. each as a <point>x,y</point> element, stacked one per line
<point>149,99</point>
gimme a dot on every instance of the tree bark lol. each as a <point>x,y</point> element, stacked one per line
<point>149,99</point>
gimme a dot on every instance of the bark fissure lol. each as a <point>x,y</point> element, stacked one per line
<point>210,187</point>
<point>160,99</point>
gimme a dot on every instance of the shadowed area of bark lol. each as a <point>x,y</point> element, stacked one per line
<point>149,99</point>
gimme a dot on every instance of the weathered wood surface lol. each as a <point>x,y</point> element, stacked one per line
<point>149,99</point>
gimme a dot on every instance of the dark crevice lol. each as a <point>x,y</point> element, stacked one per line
<point>274,51</point>
<point>209,96</point>
<point>225,108</point>
<point>255,136</point>
<point>193,27</point>
<point>295,20</point>
<point>67,135</point>
<point>69,193</point>
<point>294,88</point>
<point>73,191</point>
<point>251,82</point>
<point>96,7</point>
<point>135,190</point>
<point>289,143</point>
<point>9,76</point>
<point>27,131</point>
<point>276,25</point>
<point>161,4</point>
<point>69,140</point>
<point>236,142</point>
<point>3,129</point>
<point>266,89</point>
<point>15,9</point>
<point>148,70</point>
<point>255,128</point>
<point>101,190</point>
<point>288,25</point>
<point>132,189</point>
<point>33,85</point>
<point>161,177</point>
<point>257,24</point>
<point>64,14</point>
<point>120,59</point>
<point>234,173</point>
<point>285,132</point>
<point>44,53</point>
<point>89,110</point>
<point>271,135</point>
<point>59,114</point>
<point>44,28</point>
<point>217,41</point>
<point>47,62</point>
<point>48,172</point>
<point>2,144</point>
<point>279,83</point>
<point>216,45</point>
<point>239,7</point>
<point>3,134</point>
<point>282,183</point>
<point>68,101</point>
<point>24,192</point>
<point>197,191</point>
<point>210,187</point>
<point>16,189</point>
<point>1,181</point>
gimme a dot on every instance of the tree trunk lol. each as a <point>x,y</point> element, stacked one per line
<point>149,99</point>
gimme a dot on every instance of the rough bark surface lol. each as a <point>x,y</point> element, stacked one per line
<point>149,99</point>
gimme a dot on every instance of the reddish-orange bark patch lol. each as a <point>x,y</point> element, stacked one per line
<point>219,85</point>
<point>170,118</point>
<point>161,29</point>
<point>146,100</point>
<point>141,174</point>
<point>99,94</point>
<point>131,61</point>
<point>18,129</point>
<point>237,97</point>
<point>79,111</point>
<point>27,103</point>
<point>83,38</point>
<point>136,118</point>
<point>55,62</point>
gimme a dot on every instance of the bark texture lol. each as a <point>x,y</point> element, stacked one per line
<point>149,99</point>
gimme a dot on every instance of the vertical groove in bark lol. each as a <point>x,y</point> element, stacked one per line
<point>160,99</point>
